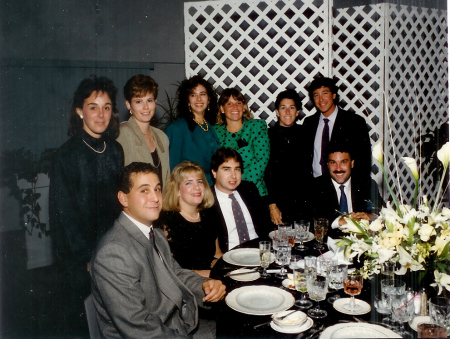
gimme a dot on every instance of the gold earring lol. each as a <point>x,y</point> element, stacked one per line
<point>131,113</point>
<point>190,109</point>
<point>207,108</point>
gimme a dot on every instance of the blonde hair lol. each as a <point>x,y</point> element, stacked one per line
<point>179,173</point>
<point>236,95</point>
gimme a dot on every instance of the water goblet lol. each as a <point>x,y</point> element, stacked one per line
<point>317,289</point>
<point>440,312</point>
<point>282,255</point>
<point>296,261</point>
<point>353,283</point>
<point>402,310</point>
<point>336,274</point>
<point>320,230</point>
<point>390,287</point>
<point>283,230</point>
<point>300,277</point>
<point>310,264</point>
<point>302,233</point>
<point>264,256</point>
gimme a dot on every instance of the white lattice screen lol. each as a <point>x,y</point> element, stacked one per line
<point>390,61</point>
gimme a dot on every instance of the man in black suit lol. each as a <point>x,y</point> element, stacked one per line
<point>332,123</point>
<point>244,214</point>
<point>339,192</point>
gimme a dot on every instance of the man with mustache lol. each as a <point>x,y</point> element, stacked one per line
<point>339,192</point>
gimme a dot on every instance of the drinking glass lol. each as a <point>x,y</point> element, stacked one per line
<point>323,265</point>
<point>390,287</point>
<point>336,274</point>
<point>353,283</point>
<point>310,264</point>
<point>300,277</point>
<point>320,230</point>
<point>283,255</point>
<point>264,257</point>
<point>388,269</point>
<point>425,330</point>
<point>276,242</point>
<point>296,261</point>
<point>291,235</point>
<point>283,230</point>
<point>439,309</point>
<point>317,289</point>
<point>302,233</point>
<point>402,310</point>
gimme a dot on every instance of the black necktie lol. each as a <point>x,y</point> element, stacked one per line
<point>151,237</point>
<point>241,225</point>
<point>325,140</point>
<point>343,207</point>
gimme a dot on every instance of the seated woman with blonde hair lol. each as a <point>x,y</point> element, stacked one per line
<point>188,220</point>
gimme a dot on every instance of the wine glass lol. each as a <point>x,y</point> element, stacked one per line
<point>291,235</point>
<point>302,233</point>
<point>353,283</point>
<point>320,230</point>
<point>264,257</point>
<point>282,255</point>
<point>310,264</point>
<point>300,277</point>
<point>390,287</point>
<point>336,274</point>
<point>402,309</point>
<point>317,289</point>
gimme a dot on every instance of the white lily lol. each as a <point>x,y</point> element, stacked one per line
<point>441,280</point>
<point>407,261</point>
<point>377,151</point>
<point>444,154</point>
<point>426,231</point>
<point>411,163</point>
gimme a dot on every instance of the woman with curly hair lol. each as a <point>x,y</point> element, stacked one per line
<point>192,137</point>
<point>237,129</point>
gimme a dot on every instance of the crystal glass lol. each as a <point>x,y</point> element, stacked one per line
<point>310,264</point>
<point>353,283</point>
<point>390,286</point>
<point>300,277</point>
<point>402,310</point>
<point>317,289</point>
<point>302,233</point>
<point>440,312</point>
<point>296,261</point>
<point>283,256</point>
<point>291,235</point>
<point>323,265</point>
<point>425,330</point>
<point>264,257</point>
<point>336,274</point>
<point>320,230</point>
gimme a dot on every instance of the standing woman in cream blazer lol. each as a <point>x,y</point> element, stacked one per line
<point>140,141</point>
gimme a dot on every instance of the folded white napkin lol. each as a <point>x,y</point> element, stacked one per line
<point>335,252</point>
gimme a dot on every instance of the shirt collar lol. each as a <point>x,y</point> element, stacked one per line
<point>332,116</point>
<point>144,228</point>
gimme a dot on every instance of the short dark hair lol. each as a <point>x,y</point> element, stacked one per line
<point>124,182</point>
<point>342,146</point>
<point>222,155</point>
<point>289,94</point>
<point>138,86</point>
<point>84,90</point>
<point>323,82</point>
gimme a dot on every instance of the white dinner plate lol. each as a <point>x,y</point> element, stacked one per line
<point>259,300</point>
<point>293,329</point>
<point>357,330</point>
<point>339,306</point>
<point>310,236</point>
<point>419,320</point>
<point>244,257</point>
<point>288,283</point>
<point>245,277</point>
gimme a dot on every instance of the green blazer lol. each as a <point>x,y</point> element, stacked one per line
<point>135,146</point>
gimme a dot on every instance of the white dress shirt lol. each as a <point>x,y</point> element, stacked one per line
<point>348,194</point>
<point>317,169</point>
<point>227,211</point>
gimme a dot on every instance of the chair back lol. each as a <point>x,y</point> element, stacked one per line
<point>91,315</point>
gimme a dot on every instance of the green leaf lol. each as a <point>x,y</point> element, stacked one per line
<point>444,252</point>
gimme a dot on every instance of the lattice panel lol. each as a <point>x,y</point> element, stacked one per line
<point>358,56</point>
<point>416,82</point>
<point>261,47</point>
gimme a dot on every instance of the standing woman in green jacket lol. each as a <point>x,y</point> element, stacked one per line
<point>140,141</point>
<point>192,136</point>
<point>237,129</point>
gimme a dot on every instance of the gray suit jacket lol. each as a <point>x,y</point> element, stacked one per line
<point>138,295</point>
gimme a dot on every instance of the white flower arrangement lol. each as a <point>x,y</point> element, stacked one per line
<point>417,237</point>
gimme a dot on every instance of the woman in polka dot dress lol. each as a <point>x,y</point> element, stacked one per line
<point>237,129</point>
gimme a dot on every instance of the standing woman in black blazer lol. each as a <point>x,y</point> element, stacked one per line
<point>83,199</point>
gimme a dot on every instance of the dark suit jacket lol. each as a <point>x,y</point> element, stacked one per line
<point>256,206</point>
<point>136,294</point>
<point>348,127</point>
<point>325,203</point>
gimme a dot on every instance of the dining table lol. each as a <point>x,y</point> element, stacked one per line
<point>235,324</point>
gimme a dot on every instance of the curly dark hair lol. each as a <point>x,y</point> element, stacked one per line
<point>84,90</point>
<point>183,92</point>
<point>324,82</point>
<point>289,94</point>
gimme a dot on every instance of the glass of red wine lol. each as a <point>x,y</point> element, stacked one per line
<point>353,283</point>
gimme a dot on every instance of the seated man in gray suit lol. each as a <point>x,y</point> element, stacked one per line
<point>139,290</point>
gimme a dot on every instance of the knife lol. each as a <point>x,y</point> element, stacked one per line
<point>241,273</point>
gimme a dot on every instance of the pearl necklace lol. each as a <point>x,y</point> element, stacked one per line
<point>104,148</point>
<point>189,217</point>
<point>204,122</point>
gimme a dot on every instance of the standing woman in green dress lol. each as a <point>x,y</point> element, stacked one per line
<point>192,137</point>
<point>237,129</point>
